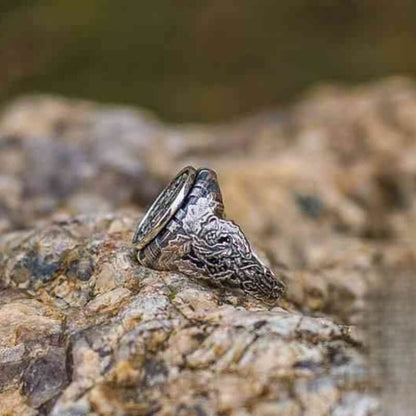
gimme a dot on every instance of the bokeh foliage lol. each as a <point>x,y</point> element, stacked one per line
<point>200,60</point>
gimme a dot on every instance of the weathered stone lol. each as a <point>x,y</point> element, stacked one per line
<point>152,341</point>
<point>324,189</point>
<point>45,377</point>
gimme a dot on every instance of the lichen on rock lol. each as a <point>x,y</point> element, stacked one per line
<point>85,330</point>
<point>129,340</point>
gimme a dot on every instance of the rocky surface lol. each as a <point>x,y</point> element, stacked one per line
<point>85,330</point>
<point>325,189</point>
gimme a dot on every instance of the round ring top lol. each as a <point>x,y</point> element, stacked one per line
<point>164,207</point>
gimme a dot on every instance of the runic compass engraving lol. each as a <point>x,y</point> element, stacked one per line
<point>194,238</point>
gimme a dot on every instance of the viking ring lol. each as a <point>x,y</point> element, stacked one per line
<point>185,231</point>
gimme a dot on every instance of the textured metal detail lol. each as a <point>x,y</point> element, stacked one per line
<point>165,206</point>
<point>199,242</point>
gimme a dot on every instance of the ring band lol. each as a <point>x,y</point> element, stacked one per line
<point>185,231</point>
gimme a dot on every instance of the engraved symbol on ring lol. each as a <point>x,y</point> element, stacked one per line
<point>185,230</point>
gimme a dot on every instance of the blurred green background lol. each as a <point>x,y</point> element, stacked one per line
<point>200,60</point>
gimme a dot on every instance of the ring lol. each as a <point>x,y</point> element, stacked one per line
<point>185,231</point>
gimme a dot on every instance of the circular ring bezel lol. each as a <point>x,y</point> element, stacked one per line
<point>142,237</point>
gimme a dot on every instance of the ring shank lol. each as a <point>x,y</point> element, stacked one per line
<point>199,242</point>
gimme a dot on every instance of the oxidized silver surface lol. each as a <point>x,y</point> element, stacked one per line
<point>164,207</point>
<point>197,241</point>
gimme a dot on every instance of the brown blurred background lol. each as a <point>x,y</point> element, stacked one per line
<point>325,185</point>
<point>200,60</point>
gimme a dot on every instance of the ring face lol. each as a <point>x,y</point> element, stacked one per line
<point>164,207</point>
<point>199,242</point>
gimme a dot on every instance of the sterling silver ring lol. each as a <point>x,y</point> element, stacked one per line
<point>185,231</point>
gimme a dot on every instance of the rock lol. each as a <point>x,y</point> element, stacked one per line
<point>128,340</point>
<point>45,378</point>
<point>324,189</point>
